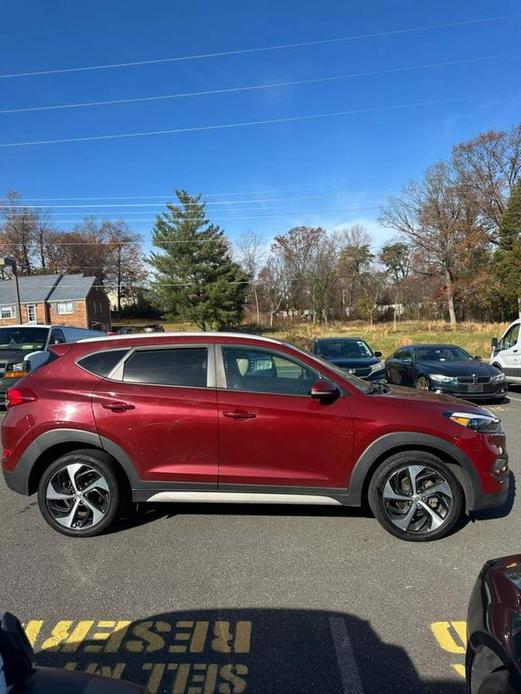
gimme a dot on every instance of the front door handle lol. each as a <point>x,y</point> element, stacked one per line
<point>117,406</point>
<point>239,414</point>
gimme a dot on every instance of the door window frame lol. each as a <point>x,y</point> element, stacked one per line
<point>118,371</point>
<point>222,383</point>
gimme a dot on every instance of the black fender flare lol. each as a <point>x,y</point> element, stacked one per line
<point>388,444</point>
<point>19,479</point>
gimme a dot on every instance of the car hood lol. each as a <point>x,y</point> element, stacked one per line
<point>418,397</point>
<point>457,368</point>
<point>9,355</point>
<point>359,363</point>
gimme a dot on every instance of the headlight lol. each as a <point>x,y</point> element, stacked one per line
<point>380,366</point>
<point>18,370</point>
<point>499,378</point>
<point>483,423</point>
<point>440,378</point>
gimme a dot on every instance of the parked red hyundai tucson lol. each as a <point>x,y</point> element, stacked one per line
<point>238,418</point>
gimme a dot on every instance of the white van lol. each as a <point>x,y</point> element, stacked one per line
<point>506,352</point>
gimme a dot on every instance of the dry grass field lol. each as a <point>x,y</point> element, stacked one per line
<point>474,337</point>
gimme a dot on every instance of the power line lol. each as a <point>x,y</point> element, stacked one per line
<point>269,85</point>
<point>169,195</point>
<point>148,204</point>
<point>243,51</point>
<point>244,124</point>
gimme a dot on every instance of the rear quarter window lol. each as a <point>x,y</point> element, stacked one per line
<point>102,363</point>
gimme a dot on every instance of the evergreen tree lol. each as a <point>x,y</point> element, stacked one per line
<point>507,260</point>
<point>196,278</point>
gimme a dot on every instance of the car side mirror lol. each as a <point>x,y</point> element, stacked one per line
<point>378,354</point>
<point>494,344</point>
<point>324,390</point>
<point>477,357</point>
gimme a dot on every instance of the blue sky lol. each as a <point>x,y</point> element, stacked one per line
<point>332,171</point>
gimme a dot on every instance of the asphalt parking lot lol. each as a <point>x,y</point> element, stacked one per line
<point>201,599</point>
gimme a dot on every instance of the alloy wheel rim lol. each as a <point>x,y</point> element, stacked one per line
<point>417,499</point>
<point>422,384</point>
<point>78,496</point>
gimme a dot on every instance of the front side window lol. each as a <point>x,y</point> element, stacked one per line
<point>64,307</point>
<point>168,367</point>
<point>263,371</point>
<point>511,337</point>
<point>7,312</point>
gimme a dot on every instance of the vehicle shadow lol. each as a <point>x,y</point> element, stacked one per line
<point>144,513</point>
<point>227,651</point>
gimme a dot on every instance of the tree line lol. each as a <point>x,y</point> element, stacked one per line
<point>108,250</point>
<point>456,252</point>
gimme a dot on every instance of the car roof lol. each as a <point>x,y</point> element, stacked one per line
<point>430,344</point>
<point>164,336</point>
<point>344,338</point>
<point>31,325</point>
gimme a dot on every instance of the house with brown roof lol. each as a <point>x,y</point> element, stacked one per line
<point>72,300</point>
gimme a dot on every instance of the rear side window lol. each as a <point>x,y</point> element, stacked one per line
<point>102,363</point>
<point>168,367</point>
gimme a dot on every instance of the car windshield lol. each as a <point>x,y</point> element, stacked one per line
<point>442,353</point>
<point>343,349</point>
<point>27,339</point>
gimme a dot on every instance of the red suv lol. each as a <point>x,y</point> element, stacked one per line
<point>237,418</point>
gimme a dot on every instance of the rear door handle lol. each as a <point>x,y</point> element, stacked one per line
<point>117,406</point>
<point>239,414</point>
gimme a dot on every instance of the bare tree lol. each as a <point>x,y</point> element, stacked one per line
<point>487,168</point>
<point>437,219</point>
<point>273,286</point>
<point>251,252</point>
<point>18,229</point>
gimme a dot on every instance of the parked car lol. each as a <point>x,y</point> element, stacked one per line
<point>352,354</point>
<point>493,662</point>
<point>237,418</point>
<point>25,347</point>
<point>18,674</point>
<point>153,328</point>
<point>128,330</point>
<point>445,369</point>
<point>506,353</point>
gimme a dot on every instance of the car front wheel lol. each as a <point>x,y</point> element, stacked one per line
<point>422,383</point>
<point>415,496</point>
<point>78,494</point>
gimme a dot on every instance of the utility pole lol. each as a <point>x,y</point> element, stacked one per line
<point>11,262</point>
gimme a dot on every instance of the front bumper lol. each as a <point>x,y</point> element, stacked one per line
<point>498,393</point>
<point>483,501</point>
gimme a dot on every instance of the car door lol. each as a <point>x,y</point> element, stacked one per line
<point>407,368</point>
<point>510,352</point>
<point>400,367</point>
<point>272,433</point>
<point>160,407</point>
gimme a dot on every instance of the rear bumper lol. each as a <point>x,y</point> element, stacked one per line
<point>17,482</point>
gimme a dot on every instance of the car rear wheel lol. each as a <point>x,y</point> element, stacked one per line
<point>415,496</point>
<point>78,494</point>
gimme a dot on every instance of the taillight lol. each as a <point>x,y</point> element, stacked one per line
<point>17,396</point>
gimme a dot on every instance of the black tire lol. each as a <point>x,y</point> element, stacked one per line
<point>390,470</point>
<point>423,383</point>
<point>499,682</point>
<point>108,499</point>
